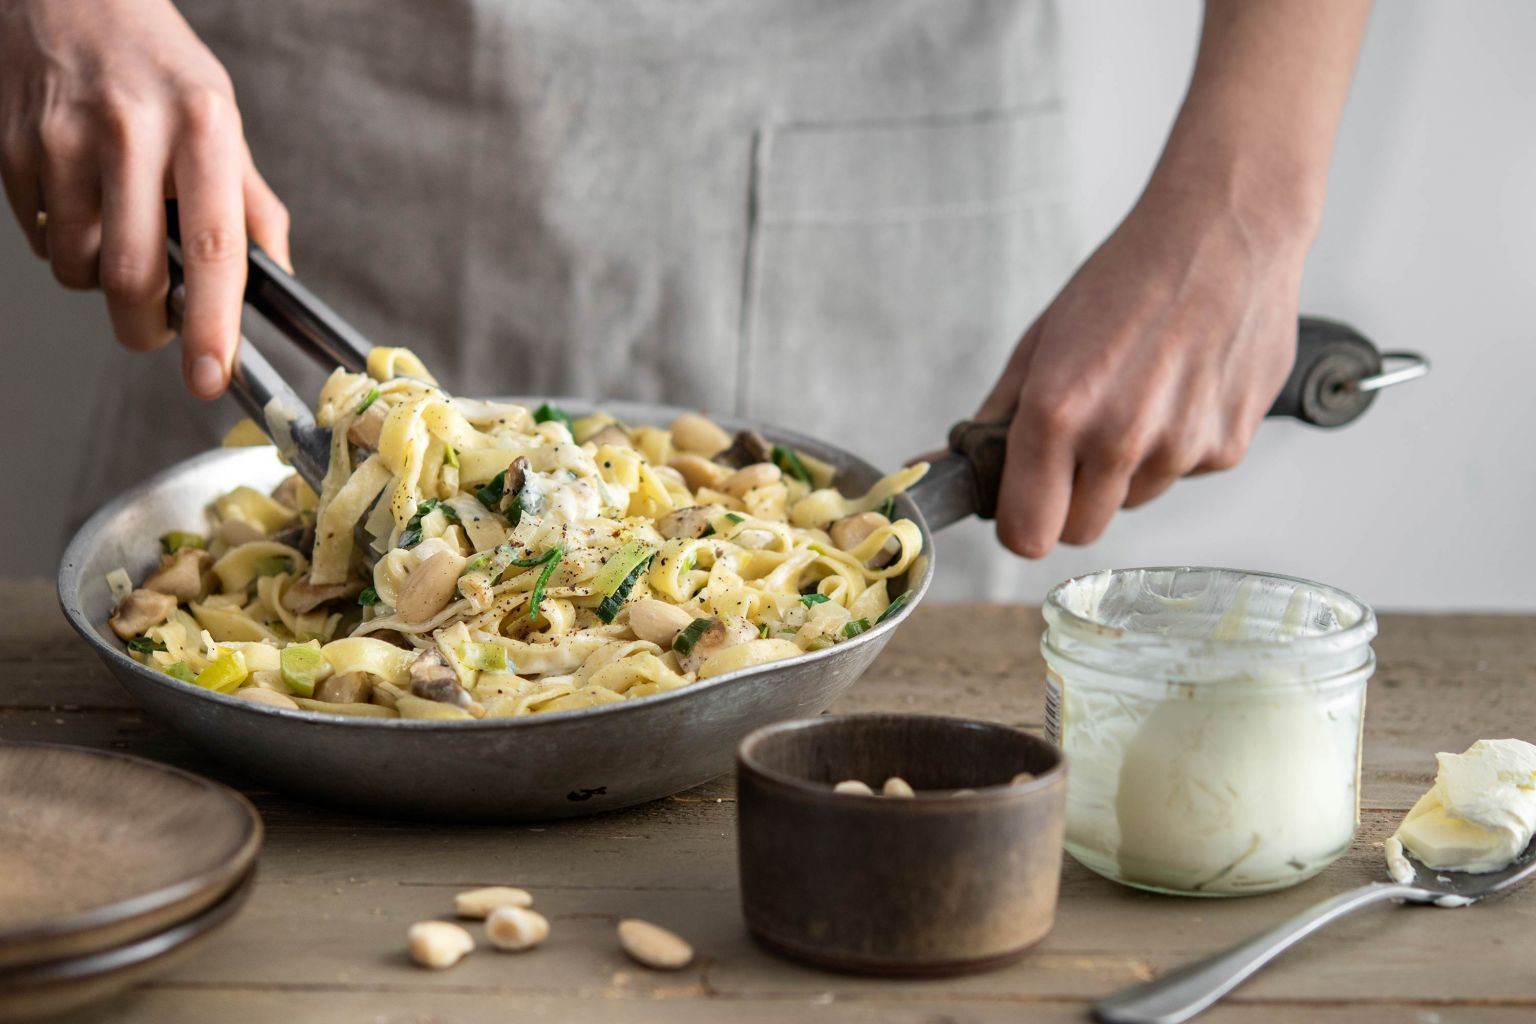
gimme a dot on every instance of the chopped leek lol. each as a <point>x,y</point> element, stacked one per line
<point>553,555</point>
<point>145,645</point>
<point>491,493</point>
<point>821,643</point>
<point>893,607</point>
<point>788,461</point>
<point>854,628</point>
<point>178,539</point>
<point>762,630</point>
<point>546,413</point>
<point>450,457</point>
<point>369,399</point>
<point>180,670</point>
<point>618,576</point>
<point>368,598</point>
<point>813,599</point>
<point>274,566</point>
<point>684,642</point>
<point>224,674</point>
<point>735,517</point>
<point>485,657</point>
<point>303,668</point>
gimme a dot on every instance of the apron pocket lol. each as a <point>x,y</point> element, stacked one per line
<point>891,267</point>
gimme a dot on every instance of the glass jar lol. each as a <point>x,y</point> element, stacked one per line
<point>1211,720</point>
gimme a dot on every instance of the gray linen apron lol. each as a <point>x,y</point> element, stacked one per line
<point>835,215</point>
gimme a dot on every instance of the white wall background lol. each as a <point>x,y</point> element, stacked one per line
<point>1429,243</point>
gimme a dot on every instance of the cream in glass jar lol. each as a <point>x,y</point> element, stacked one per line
<point>1211,720</point>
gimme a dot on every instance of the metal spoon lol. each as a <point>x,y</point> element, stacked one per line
<point>1183,993</point>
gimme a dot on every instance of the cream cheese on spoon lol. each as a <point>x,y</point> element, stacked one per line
<point>1478,817</point>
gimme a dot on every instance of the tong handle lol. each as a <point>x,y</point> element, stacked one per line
<point>261,391</point>
<point>301,315</point>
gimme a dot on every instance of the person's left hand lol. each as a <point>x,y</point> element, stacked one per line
<point>1158,360</point>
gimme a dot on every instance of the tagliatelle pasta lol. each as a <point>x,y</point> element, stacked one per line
<point>467,559</point>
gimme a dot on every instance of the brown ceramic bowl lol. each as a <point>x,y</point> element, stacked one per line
<point>936,883</point>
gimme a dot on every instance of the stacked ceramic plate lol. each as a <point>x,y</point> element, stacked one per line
<point>111,869</point>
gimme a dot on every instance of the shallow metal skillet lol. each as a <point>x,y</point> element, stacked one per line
<point>557,764</point>
<point>550,765</point>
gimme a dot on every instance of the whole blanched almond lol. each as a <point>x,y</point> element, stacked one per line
<point>438,944</point>
<point>477,904</point>
<point>653,946</point>
<point>516,928</point>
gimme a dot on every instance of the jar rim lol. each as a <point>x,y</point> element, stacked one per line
<point>1359,632</point>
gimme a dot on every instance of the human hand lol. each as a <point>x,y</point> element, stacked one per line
<point>1158,360</point>
<point>107,107</point>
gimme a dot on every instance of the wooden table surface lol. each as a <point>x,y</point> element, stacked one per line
<point>323,936</point>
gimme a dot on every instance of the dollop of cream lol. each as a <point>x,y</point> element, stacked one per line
<point>1479,815</point>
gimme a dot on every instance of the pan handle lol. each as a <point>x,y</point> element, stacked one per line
<point>1333,381</point>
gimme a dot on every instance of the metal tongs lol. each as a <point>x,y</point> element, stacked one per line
<point>317,329</point>
<point>1335,378</point>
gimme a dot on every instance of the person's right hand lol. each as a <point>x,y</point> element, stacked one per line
<point>107,107</point>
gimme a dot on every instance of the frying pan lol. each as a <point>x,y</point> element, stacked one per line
<point>564,763</point>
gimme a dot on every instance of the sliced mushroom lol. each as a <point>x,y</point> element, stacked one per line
<point>303,596</point>
<point>747,447</point>
<point>611,434</point>
<point>365,430</point>
<point>295,493</point>
<point>656,621</point>
<point>392,636</point>
<point>347,688</point>
<point>722,633</point>
<point>180,574</point>
<point>430,586</point>
<point>690,522</point>
<point>300,538</point>
<point>851,531</point>
<point>140,610</point>
<point>517,476</point>
<point>432,678</point>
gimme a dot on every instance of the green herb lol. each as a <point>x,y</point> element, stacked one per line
<point>811,599</point>
<point>709,530</point>
<point>854,628</point>
<point>144,645</point>
<point>547,413</point>
<point>181,670</point>
<point>788,460</point>
<point>491,493</point>
<point>554,555</point>
<point>893,607</point>
<point>735,517</point>
<point>178,539</point>
<point>411,536</point>
<point>685,641</point>
<point>368,598</point>
<point>369,399</point>
<point>619,575</point>
<point>529,563</point>
<point>887,508</point>
<point>450,457</point>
